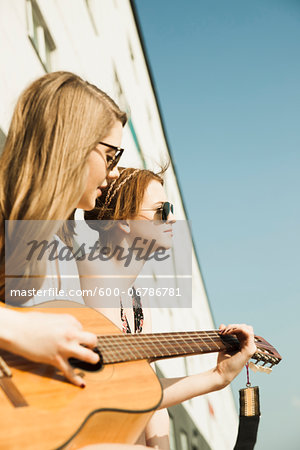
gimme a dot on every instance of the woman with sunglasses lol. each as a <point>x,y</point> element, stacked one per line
<point>62,144</point>
<point>134,205</point>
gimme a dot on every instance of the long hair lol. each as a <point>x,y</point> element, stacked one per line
<point>58,120</point>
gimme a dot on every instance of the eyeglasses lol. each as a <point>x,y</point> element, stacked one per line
<point>164,210</point>
<point>112,161</point>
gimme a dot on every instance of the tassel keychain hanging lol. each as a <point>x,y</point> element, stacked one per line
<point>249,416</point>
<point>249,399</point>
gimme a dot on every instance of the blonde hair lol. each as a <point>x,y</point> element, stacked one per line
<point>58,120</point>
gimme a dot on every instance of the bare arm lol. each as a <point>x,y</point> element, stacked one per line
<point>177,390</point>
<point>115,447</point>
<point>156,434</point>
<point>47,338</point>
<point>158,429</point>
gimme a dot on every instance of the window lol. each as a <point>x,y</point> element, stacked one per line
<point>2,140</point>
<point>172,434</point>
<point>91,15</point>
<point>130,51</point>
<point>119,94</point>
<point>184,440</point>
<point>132,59</point>
<point>39,35</point>
<point>195,445</point>
<point>122,103</point>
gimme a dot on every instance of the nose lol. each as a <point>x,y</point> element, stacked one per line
<point>104,184</point>
<point>113,174</point>
<point>171,218</point>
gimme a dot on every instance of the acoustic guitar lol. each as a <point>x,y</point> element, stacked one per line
<point>40,410</point>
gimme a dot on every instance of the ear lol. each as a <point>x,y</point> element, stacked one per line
<point>124,226</point>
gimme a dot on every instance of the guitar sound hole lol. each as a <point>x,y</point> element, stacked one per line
<point>88,367</point>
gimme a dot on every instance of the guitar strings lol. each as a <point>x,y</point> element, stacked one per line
<point>179,337</point>
<point>191,345</point>
<point>179,347</point>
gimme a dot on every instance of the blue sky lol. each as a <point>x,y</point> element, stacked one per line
<point>228,80</point>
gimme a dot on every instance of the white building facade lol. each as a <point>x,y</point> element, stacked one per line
<point>100,41</point>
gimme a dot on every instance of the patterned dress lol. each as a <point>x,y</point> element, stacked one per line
<point>137,313</point>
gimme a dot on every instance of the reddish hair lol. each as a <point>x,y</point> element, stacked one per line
<point>122,198</point>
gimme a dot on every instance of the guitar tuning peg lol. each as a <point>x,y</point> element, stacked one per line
<point>259,368</point>
<point>266,369</point>
<point>253,366</point>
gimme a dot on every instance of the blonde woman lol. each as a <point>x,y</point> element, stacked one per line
<point>134,205</point>
<point>55,159</point>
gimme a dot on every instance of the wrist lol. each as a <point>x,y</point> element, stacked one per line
<point>221,379</point>
<point>9,326</point>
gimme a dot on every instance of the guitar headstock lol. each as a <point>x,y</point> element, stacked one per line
<point>265,357</point>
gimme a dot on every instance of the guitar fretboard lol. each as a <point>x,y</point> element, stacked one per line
<point>128,347</point>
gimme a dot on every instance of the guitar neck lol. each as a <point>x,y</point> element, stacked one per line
<point>129,347</point>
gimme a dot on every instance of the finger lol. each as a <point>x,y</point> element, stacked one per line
<point>69,373</point>
<point>237,325</point>
<point>245,335</point>
<point>225,329</point>
<point>84,354</point>
<point>234,328</point>
<point>242,329</point>
<point>88,339</point>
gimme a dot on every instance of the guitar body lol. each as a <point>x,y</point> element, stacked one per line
<point>114,407</point>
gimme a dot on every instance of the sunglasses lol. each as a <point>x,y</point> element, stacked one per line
<point>164,210</point>
<point>112,161</point>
